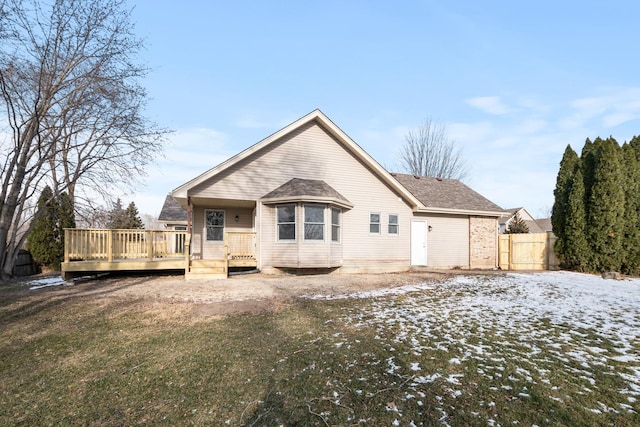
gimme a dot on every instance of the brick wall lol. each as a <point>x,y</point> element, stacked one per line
<point>483,242</point>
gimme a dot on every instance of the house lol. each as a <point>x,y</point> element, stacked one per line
<point>172,216</point>
<point>534,226</point>
<point>545,224</point>
<point>308,198</point>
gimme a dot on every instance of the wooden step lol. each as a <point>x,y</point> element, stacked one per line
<point>206,269</point>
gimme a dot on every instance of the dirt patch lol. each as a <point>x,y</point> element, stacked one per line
<point>205,298</point>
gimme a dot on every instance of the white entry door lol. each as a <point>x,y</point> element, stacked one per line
<point>419,243</point>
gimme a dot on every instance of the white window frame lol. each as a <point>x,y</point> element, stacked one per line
<point>278,223</point>
<point>337,225</point>
<point>378,223</point>
<point>305,222</point>
<point>207,226</point>
<point>396,224</point>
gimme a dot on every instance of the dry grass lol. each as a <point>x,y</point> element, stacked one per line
<point>96,361</point>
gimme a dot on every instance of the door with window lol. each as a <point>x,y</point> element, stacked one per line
<point>419,242</point>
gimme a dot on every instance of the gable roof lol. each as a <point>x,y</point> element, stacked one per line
<point>181,192</point>
<point>172,211</point>
<point>306,190</point>
<point>447,195</point>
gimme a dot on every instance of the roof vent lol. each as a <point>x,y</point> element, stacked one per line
<point>439,179</point>
<point>416,176</point>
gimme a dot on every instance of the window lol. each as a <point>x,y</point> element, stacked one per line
<point>313,222</point>
<point>335,225</point>
<point>214,222</point>
<point>286,222</point>
<point>374,223</point>
<point>393,224</point>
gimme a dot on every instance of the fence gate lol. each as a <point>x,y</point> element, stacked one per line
<point>527,251</point>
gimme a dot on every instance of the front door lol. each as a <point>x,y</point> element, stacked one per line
<point>419,243</point>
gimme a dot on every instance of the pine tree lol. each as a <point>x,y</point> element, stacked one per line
<point>606,204</point>
<point>577,253</point>
<point>117,216</point>
<point>587,163</point>
<point>517,225</point>
<point>568,166</point>
<point>133,217</point>
<point>127,219</point>
<point>46,239</point>
<point>631,236</point>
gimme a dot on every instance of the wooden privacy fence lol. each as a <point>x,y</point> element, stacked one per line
<point>527,251</point>
<point>112,245</point>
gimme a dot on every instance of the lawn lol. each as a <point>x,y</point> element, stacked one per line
<point>507,349</point>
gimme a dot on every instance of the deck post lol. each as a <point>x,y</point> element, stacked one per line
<point>150,244</point>
<point>110,245</point>
<point>66,244</point>
<point>187,252</point>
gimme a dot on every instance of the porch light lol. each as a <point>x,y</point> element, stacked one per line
<point>237,218</point>
<point>430,228</point>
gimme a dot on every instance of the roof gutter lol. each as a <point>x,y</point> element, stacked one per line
<point>458,211</point>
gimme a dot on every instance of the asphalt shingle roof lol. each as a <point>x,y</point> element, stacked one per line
<point>312,188</point>
<point>445,193</point>
<point>172,211</point>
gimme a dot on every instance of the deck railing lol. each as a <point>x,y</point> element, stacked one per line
<point>113,245</point>
<point>241,246</point>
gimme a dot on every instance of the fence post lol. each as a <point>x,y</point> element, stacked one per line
<point>511,264</point>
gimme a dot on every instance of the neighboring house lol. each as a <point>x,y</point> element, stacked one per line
<point>531,222</point>
<point>173,216</point>
<point>311,198</point>
<point>545,224</point>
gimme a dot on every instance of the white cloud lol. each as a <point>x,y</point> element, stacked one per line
<point>612,108</point>
<point>489,104</point>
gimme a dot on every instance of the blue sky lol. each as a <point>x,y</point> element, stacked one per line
<point>514,82</point>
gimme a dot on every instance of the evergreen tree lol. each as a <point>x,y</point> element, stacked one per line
<point>117,216</point>
<point>517,225</point>
<point>631,235</point>
<point>46,240</point>
<point>606,204</point>
<point>568,166</point>
<point>587,163</point>
<point>577,253</point>
<point>129,218</point>
<point>133,217</point>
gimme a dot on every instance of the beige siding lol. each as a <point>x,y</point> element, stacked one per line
<point>311,153</point>
<point>448,241</point>
<point>203,249</point>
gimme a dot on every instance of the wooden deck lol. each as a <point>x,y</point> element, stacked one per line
<point>90,251</point>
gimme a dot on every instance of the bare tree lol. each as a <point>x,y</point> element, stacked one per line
<point>428,151</point>
<point>73,105</point>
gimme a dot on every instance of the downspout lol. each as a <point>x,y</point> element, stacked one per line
<point>189,214</point>
<point>189,229</point>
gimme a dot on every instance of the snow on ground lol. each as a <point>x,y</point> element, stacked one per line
<point>581,323</point>
<point>45,282</point>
